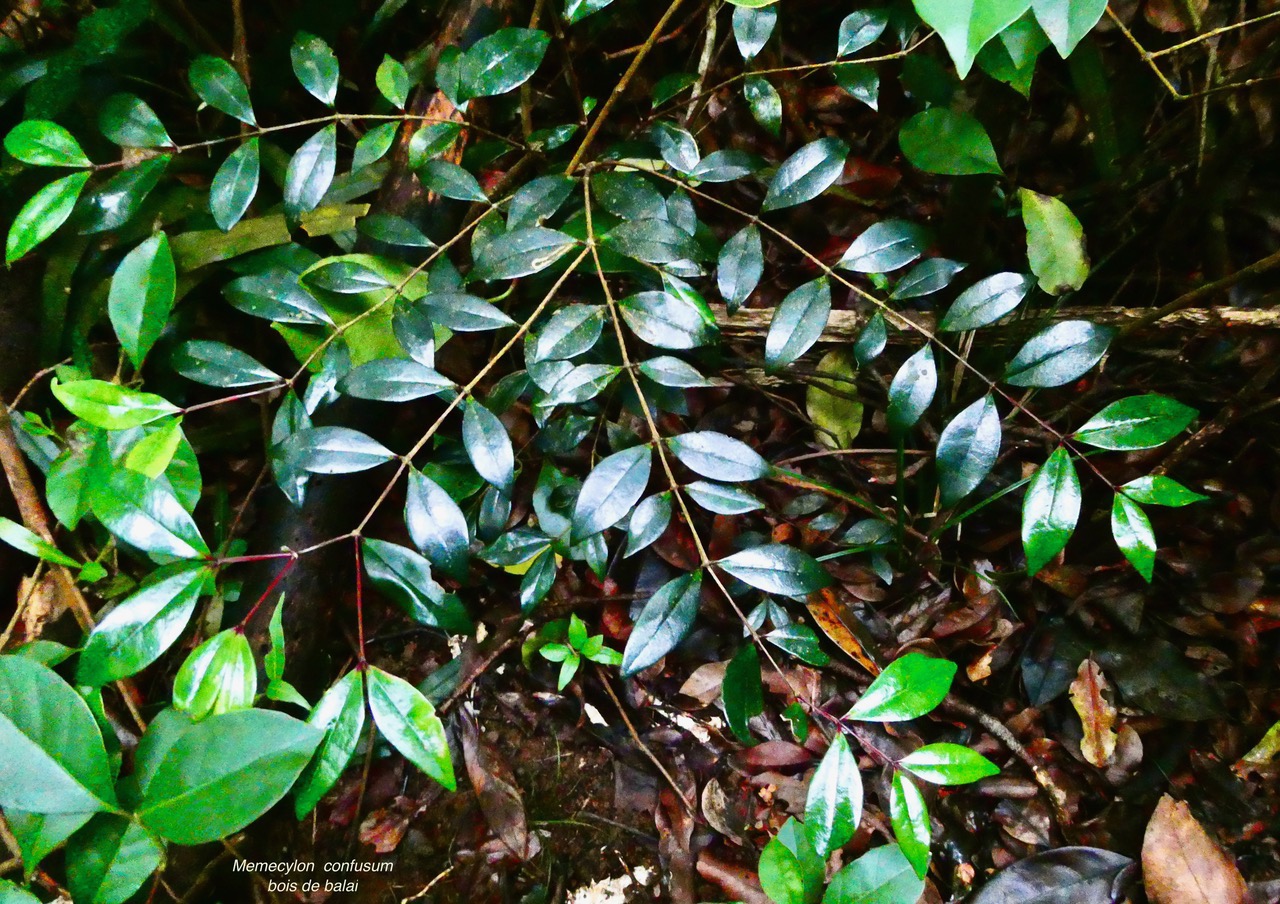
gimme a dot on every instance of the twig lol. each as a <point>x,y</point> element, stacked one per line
<point>704,62</point>
<point>426,888</point>
<point>635,736</point>
<point>1180,304</point>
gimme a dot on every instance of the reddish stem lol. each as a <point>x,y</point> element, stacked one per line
<point>359,605</point>
<point>270,587</point>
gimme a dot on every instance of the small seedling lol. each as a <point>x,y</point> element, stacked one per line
<point>579,647</point>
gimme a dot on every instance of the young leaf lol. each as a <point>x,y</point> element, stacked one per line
<point>488,446</point>
<point>109,859</point>
<point>393,82</point>
<point>1133,534</point>
<point>885,246</point>
<point>1155,489</point>
<point>234,185</point>
<point>833,808</point>
<point>310,172</point>
<point>316,67</point>
<point>409,722</point>
<point>911,391</point>
<point>797,324</point>
<point>883,875</point>
<point>948,143</point>
<point>948,764</point>
<point>648,522</point>
<point>40,217</point>
<point>142,295</point>
<point>1059,354</point>
<point>909,687</point>
<point>861,28</point>
<point>610,491</point>
<point>968,449</point>
<point>219,676</point>
<point>437,526</point>
<point>806,174</point>
<point>966,25</point>
<point>22,539</point>
<point>909,815</point>
<point>219,85</point>
<point>1066,22</point>
<point>986,301</point>
<point>664,621</point>
<point>340,716</point>
<point>39,142</point>
<point>752,28</point>
<point>784,878</point>
<point>127,120</point>
<point>1050,510</point>
<point>1138,422</point>
<point>1055,243</point>
<point>153,454</point>
<point>742,691</point>
<point>110,406</point>
<point>777,568</point>
<point>502,61</point>
<point>721,457</point>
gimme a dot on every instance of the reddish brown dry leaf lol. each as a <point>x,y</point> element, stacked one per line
<point>825,608</point>
<point>737,883</point>
<point>384,829</point>
<point>1182,865</point>
<point>1097,714</point>
<point>499,797</point>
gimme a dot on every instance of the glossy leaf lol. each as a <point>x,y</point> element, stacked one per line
<point>219,676</point>
<point>577,10</point>
<point>833,807</point>
<point>40,217</point>
<point>570,331</point>
<point>927,277</point>
<point>806,174</point>
<point>885,247</point>
<point>409,723</point>
<point>676,145</point>
<point>393,380</point>
<point>911,391</point>
<point>752,28</point>
<point>1050,510</point>
<point>883,875</point>
<point>275,295</point>
<point>1066,22</point>
<point>765,103</point>
<point>393,82</point>
<point>118,200</point>
<point>1067,875</point>
<point>653,241</point>
<point>449,180</point>
<point>667,320</point>
<point>339,714</point>
<point>143,291</point>
<point>909,687</point>
<point>785,878</point>
<point>39,142</point>
<point>502,61</point>
<point>722,499</point>
<point>968,449</point>
<point>986,301</point>
<point>1059,354</point>
<point>1156,489</point>
<point>740,266</point>
<point>374,144</point>
<point>666,370</point>
<point>218,84</point>
<point>538,199</point>
<point>871,341</point>
<point>949,143</point>
<point>147,515</point>
<point>860,29</point>
<point>130,122</point>
<point>404,577</point>
<point>1055,243</point>
<point>797,323</point>
<point>219,364</point>
<point>648,522</point>
<point>109,859</point>
<point>488,446</point>
<point>334,450</point>
<point>22,539</point>
<point>777,568</point>
<point>111,406</point>
<point>610,491</point>
<point>437,526</point>
<point>664,621</point>
<point>909,815</point>
<point>310,172</point>
<point>862,83</point>
<point>344,276</point>
<point>800,641</point>
<point>742,691</point>
<point>1132,531</point>
<point>966,25</point>
<point>465,313</point>
<point>234,185</point>
<point>522,252</point>
<point>1137,422</point>
<point>315,66</point>
<point>948,764</point>
<point>717,456</point>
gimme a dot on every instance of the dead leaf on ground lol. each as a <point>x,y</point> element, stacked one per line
<point>705,682</point>
<point>825,608</point>
<point>1181,864</point>
<point>738,883</point>
<point>499,796</point>
<point>1097,714</point>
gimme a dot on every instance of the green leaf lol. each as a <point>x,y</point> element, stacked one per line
<point>219,85</point>
<point>219,676</point>
<point>671,84</point>
<point>127,120</point>
<point>664,621</point>
<point>722,499</point>
<point>833,807</point>
<point>13,894</point>
<point>405,578</point>
<point>374,144</point>
<point>409,723</point>
<point>219,364</point>
<point>784,878</point>
<point>538,199</point>
<point>143,291</point>
<point>393,380</point>
<point>577,10</point>
<point>676,145</point>
<point>740,266</point>
<point>344,276</point>
<point>273,662</point>
<point>911,391</point>
<point>1138,422</point>
<point>648,522</point>
<point>968,449</point>
<point>765,103</point>
<point>666,370</point>
<point>22,539</point>
<point>142,626</point>
<point>883,875</point>
<point>1155,489</point>
<point>1132,531</point>
<point>861,28</point>
<point>725,165</point>
<point>986,301</point>
<point>316,67</point>
<point>801,642</point>
<point>221,774</point>
<point>1059,354</point>
<point>393,82</point>
<point>42,143</point>
<point>653,241</point>
<point>943,141</point>
<point>465,313</point>
<point>581,383</point>
<point>147,515</point>
<point>862,83</point>
<point>40,217</point>
<point>610,491</point>
<point>537,581</point>
<point>948,764</point>
<point>334,450</point>
<point>721,457</point>
<point>742,691</point>
<point>752,28</point>
<point>488,446</point>
<point>521,253</point>
<point>777,568</point>
<point>339,714</point>
<point>109,859</point>
<point>437,526</point>
<point>1066,22</point>
<point>118,200</point>
<point>668,319</point>
<point>1050,510</point>
<point>1055,243</point>
<point>52,759</point>
<point>965,25</point>
<point>449,180</point>
<point>927,277</point>
<point>806,174</point>
<point>833,404</point>
<point>885,246</point>
<point>234,185</point>
<point>277,296</point>
<point>797,323</point>
<point>908,688</point>
<point>394,230</point>
<point>909,815</point>
<point>432,140</point>
<point>502,61</point>
<point>871,341</point>
<point>310,172</point>
<point>571,331</point>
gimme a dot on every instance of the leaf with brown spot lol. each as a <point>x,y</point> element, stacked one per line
<point>825,608</point>
<point>1182,865</point>
<point>1097,714</point>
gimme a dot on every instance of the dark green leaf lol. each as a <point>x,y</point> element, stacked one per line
<point>948,764</point>
<point>405,578</point>
<point>871,341</point>
<point>885,246</point>
<point>1138,422</point>
<point>883,875</point>
<point>219,676</point>
<point>571,331</point>
<point>344,276</point>
<point>797,323</point>
<point>432,140</point>
<point>911,391</point>
<point>334,450</point>
<point>725,166</point>
<point>653,241</point>
<point>42,143</point>
<point>576,10</point>
<point>926,277</point>
<point>742,691</point>
<point>1059,354</point>
<point>275,295</point>
<point>862,83</point>
<point>234,185</point>
<point>612,489</point>
<point>860,29</point>
<point>833,807</point>
<point>538,199</point>
<point>1133,534</point>
<point>777,568</point>
<point>721,457</point>
<point>437,526</point>
<point>1050,510</point>
<point>670,85</point>
<point>40,217</point>
<point>316,67</point>
<point>1068,875</point>
<point>310,172</point>
<point>219,85</point>
<point>1066,22</point>
<point>947,142</point>
<point>752,28</point>
<point>784,878</point>
<point>1158,490</point>
<point>127,120</point>
<point>394,230</point>
<point>801,642</point>
<point>143,291</point>
<point>666,370</point>
<point>147,515</point>
<point>502,61</point>
<point>118,200</point>
<point>648,522</point>
<point>664,621</point>
<point>909,815</point>
<point>722,499</point>
<point>667,320</point>
<point>1055,243</point>
<point>340,715</point>
<point>628,195</point>
<point>521,253</point>
<point>465,313</point>
<point>968,449</point>
<point>764,102</point>
<point>488,446</point>
<point>676,145</point>
<point>986,301</point>
<point>537,581</point>
<point>806,174</point>
<point>109,859</point>
<point>219,364</point>
<point>393,380</point>
<point>409,722</point>
<point>449,180</point>
<point>393,82</point>
<point>374,144</point>
<point>910,687</point>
